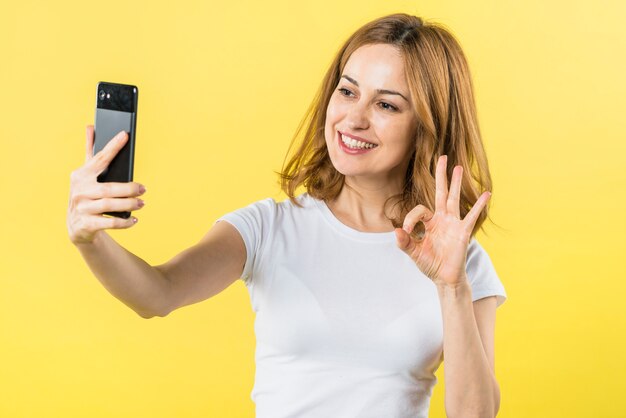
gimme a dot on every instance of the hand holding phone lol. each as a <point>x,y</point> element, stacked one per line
<point>89,199</point>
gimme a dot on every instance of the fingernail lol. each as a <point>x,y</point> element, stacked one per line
<point>142,190</point>
<point>121,135</point>
<point>141,203</point>
<point>406,229</point>
<point>135,220</point>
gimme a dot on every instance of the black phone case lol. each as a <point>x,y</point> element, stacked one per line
<point>116,110</point>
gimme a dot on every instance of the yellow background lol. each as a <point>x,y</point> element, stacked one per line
<point>222,88</point>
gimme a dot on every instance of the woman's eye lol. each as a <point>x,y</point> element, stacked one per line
<point>390,107</point>
<point>386,106</point>
<point>342,90</point>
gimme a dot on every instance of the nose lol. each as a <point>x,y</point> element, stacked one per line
<point>357,116</point>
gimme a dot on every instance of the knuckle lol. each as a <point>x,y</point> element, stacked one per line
<point>108,221</point>
<point>79,205</point>
<point>96,163</point>
<point>99,206</point>
<point>113,222</point>
<point>417,211</point>
<point>73,197</point>
<point>76,197</point>
<point>77,176</point>
<point>85,224</point>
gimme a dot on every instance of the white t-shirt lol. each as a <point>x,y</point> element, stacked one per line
<point>346,324</point>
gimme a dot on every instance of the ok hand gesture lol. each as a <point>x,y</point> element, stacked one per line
<point>441,253</point>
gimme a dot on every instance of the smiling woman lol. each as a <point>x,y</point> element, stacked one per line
<point>353,314</point>
<point>396,80</point>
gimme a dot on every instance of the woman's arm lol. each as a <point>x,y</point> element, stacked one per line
<point>195,274</point>
<point>127,277</point>
<point>468,347</point>
<point>441,254</point>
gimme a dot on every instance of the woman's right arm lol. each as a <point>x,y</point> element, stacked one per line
<point>193,275</point>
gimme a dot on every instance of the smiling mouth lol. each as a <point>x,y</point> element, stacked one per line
<point>354,144</point>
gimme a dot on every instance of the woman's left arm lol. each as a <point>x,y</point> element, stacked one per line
<point>468,328</point>
<point>468,346</point>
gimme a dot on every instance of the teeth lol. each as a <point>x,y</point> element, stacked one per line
<point>353,143</point>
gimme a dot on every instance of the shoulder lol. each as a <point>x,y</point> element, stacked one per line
<point>285,206</point>
<point>269,208</point>
<point>482,274</point>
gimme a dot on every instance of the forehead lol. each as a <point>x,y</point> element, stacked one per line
<point>377,66</point>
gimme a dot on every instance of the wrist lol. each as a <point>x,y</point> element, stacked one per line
<point>86,243</point>
<point>460,288</point>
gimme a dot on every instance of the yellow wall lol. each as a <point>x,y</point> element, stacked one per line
<point>222,88</point>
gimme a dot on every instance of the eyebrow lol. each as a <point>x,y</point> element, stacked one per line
<point>379,91</point>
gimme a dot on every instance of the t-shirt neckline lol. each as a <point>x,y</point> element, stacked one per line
<point>349,231</point>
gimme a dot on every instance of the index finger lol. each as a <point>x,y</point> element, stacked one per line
<point>472,216</point>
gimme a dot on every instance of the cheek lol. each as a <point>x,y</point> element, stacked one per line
<point>394,129</point>
<point>333,115</point>
<point>333,111</point>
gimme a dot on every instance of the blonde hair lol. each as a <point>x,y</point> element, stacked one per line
<point>442,96</point>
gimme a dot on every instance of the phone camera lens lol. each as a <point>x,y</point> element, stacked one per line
<point>101,94</point>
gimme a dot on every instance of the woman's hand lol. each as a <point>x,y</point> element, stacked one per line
<point>441,253</point>
<point>89,199</point>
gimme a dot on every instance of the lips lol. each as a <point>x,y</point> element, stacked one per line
<point>353,151</point>
<point>345,134</point>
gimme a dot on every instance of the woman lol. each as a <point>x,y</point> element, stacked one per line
<point>361,284</point>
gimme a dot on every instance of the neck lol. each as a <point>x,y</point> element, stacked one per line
<point>361,204</point>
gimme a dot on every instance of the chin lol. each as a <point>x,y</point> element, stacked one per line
<point>351,171</point>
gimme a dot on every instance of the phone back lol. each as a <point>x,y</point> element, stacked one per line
<point>116,110</point>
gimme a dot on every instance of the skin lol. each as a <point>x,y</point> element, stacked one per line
<point>371,178</point>
<point>89,198</point>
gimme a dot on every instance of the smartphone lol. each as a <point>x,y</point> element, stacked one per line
<point>116,110</point>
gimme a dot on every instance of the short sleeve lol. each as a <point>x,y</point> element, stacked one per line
<point>254,223</point>
<point>482,275</point>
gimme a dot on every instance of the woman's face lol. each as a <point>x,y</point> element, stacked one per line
<point>372,104</point>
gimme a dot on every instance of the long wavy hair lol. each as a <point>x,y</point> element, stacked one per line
<point>441,88</point>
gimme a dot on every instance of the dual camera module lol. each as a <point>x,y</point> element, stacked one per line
<point>102,94</point>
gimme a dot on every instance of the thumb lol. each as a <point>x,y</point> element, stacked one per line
<point>404,241</point>
<point>109,151</point>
